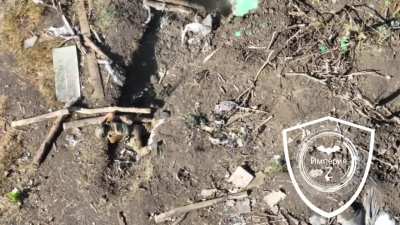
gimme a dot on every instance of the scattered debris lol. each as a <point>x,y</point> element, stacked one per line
<point>202,29</point>
<point>384,219</point>
<point>242,206</point>
<point>240,178</point>
<point>273,198</point>
<point>66,67</point>
<point>30,42</point>
<point>243,7</point>
<point>185,209</point>
<point>115,73</point>
<point>225,107</point>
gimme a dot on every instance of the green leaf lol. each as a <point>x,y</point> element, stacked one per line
<point>323,49</point>
<point>15,196</point>
<point>344,44</point>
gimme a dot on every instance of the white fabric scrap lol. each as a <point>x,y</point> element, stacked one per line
<point>202,29</point>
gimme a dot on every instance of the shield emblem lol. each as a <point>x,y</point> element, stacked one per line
<point>328,161</point>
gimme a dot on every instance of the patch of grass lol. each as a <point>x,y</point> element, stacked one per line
<point>21,21</point>
<point>15,196</point>
<point>276,165</point>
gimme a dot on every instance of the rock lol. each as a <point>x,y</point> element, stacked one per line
<point>206,193</point>
<point>273,198</point>
<point>240,178</point>
<point>317,220</point>
<point>384,219</point>
<point>225,107</point>
<point>30,42</point>
<point>243,206</point>
<point>258,180</point>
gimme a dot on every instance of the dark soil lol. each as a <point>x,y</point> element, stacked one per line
<point>81,183</point>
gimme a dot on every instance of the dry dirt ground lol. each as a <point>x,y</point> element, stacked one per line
<point>81,182</point>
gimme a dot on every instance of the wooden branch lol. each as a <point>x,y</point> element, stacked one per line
<point>112,109</point>
<point>84,122</point>
<point>185,3</point>
<point>93,68</point>
<point>89,43</point>
<point>162,6</point>
<point>185,209</point>
<point>48,142</point>
<point>40,118</point>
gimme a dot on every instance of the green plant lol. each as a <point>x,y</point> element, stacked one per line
<point>15,196</point>
<point>323,49</point>
<point>344,44</point>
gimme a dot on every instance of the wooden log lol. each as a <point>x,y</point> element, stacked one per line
<point>93,68</point>
<point>48,142</point>
<point>112,109</point>
<point>40,118</point>
<point>185,209</point>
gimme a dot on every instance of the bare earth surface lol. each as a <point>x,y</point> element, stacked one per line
<point>80,182</point>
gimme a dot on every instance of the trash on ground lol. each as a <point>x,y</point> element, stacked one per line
<point>243,7</point>
<point>66,69</point>
<point>116,73</point>
<point>30,42</point>
<point>225,107</point>
<point>201,29</point>
<point>317,220</point>
<point>384,219</point>
<point>273,199</point>
<point>240,178</point>
<point>242,206</point>
<point>206,193</point>
<point>38,2</point>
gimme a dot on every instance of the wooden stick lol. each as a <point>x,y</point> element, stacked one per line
<point>185,3</point>
<point>161,6</point>
<point>48,142</point>
<point>84,122</point>
<point>185,209</point>
<point>93,68</point>
<point>89,43</point>
<point>40,118</point>
<point>112,109</point>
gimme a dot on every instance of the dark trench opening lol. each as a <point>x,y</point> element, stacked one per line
<point>138,90</point>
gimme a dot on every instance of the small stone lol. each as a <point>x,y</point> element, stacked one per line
<point>240,178</point>
<point>30,42</point>
<point>317,220</point>
<point>205,193</point>
<point>273,198</point>
<point>243,206</point>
